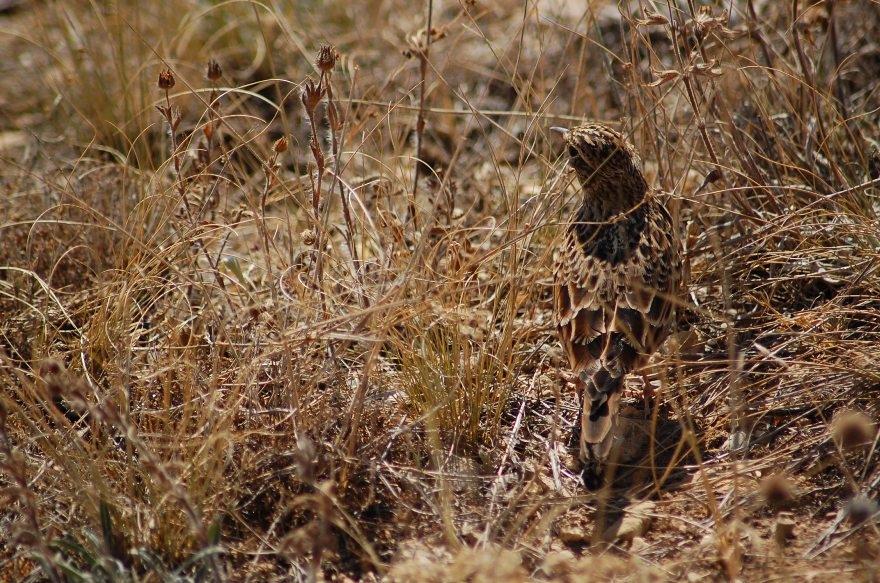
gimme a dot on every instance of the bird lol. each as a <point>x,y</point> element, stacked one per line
<point>616,281</point>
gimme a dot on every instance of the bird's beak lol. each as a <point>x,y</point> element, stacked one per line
<point>562,131</point>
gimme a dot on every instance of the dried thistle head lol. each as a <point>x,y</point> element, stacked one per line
<point>280,145</point>
<point>860,508</point>
<point>327,57</point>
<point>214,70</point>
<point>421,40</point>
<point>852,429</point>
<point>311,95</point>
<point>166,79</point>
<point>777,491</point>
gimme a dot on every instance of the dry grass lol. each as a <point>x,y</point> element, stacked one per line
<point>291,321</point>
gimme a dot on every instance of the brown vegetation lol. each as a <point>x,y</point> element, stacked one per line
<point>275,291</point>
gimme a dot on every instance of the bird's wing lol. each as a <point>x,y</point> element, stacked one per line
<point>593,297</point>
<point>650,286</point>
<point>581,305</point>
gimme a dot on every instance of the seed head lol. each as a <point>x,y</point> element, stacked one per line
<point>166,79</point>
<point>852,429</point>
<point>777,491</point>
<point>280,145</point>
<point>860,508</point>
<point>214,70</point>
<point>327,57</point>
<point>311,95</point>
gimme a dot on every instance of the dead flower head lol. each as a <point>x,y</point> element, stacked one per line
<point>308,237</point>
<point>311,95</point>
<point>166,79</point>
<point>852,429</point>
<point>777,491</point>
<point>214,70</point>
<point>327,57</point>
<point>280,145</point>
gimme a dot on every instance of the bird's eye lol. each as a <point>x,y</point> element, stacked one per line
<point>573,152</point>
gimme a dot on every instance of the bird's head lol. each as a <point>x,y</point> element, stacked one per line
<point>603,159</point>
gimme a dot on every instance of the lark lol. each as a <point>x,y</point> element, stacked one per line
<point>617,274</point>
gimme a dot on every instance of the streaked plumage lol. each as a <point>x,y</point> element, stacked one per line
<point>618,270</point>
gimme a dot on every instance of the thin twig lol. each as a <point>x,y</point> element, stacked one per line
<point>420,123</point>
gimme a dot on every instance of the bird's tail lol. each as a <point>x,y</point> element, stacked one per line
<point>599,408</point>
<point>601,402</point>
